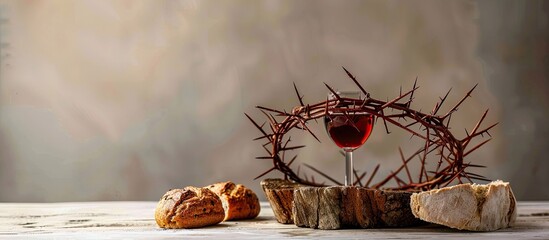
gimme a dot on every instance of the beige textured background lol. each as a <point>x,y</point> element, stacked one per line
<point>122,100</point>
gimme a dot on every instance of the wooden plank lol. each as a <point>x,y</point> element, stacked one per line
<point>135,220</point>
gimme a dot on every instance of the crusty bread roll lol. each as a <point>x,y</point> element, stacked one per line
<point>189,207</point>
<point>471,207</point>
<point>238,201</point>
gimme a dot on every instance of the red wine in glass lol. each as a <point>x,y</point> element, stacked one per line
<point>348,130</point>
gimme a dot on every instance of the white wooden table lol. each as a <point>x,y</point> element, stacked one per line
<point>135,220</point>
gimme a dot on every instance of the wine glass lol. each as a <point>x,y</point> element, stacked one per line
<point>348,127</point>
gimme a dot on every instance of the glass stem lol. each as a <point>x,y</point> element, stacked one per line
<point>349,168</point>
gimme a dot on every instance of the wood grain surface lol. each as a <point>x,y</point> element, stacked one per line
<point>352,207</point>
<point>135,220</point>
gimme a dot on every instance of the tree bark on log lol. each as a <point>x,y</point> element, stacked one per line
<point>280,194</point>
<point>338,207</point>
<point>352,207</point>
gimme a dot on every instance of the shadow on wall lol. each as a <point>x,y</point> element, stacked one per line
<point>125,100</point>
<point>513,46</point>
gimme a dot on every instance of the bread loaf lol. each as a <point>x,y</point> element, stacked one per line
<point>189,207</point>
<point>467,206</point>
<point>238,201</point>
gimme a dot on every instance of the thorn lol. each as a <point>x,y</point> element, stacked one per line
<point>323,174</point>
<point>265,173</point>
<point>372,176</point>
<point>333,92</point>
<point>298,96</point>
<point>439,105</point>
<point>292,148</point>
<point>358,178</point>
<point>256,125</point>
<point>412,95</point>
<point>405,165</point>
<point>356,82</point>
<point>460,102</point>
<point>476,147</point>
<point>291,161</point>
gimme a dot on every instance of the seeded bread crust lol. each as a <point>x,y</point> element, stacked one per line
<point>189,207</point>
<point>238,201</point>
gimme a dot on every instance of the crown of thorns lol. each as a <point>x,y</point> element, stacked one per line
<point>431,127</point>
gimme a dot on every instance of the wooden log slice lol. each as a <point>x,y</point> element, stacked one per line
<point>352,207</point>
<point>280,194</point>
<point>338,207</point>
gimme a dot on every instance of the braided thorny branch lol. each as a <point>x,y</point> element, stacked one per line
<point>434,130</point>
